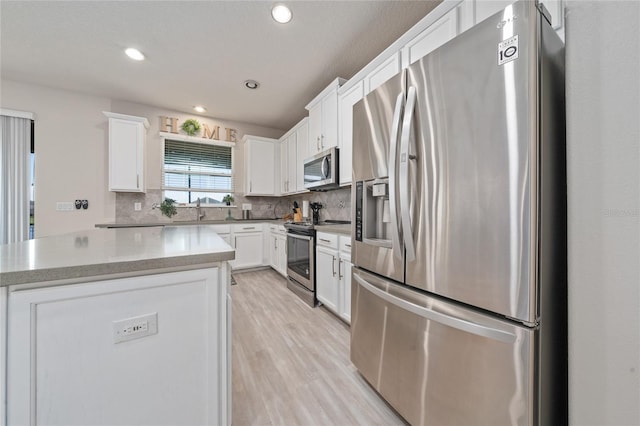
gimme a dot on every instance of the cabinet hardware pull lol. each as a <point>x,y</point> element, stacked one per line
<point>339,269</point>
<point>138,181</point>
<point>250,186</point>
<point>249,227</point>
<point>333,266</point>
<point>326,241</point>
<point>318,143</point>
<point>321,141</point>
<point>348,245</point>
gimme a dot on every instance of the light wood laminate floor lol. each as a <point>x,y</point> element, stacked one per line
<point>291,362</point>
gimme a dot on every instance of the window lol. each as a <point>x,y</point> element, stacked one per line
<point>194,170</point>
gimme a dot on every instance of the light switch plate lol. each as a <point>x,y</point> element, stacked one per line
<point>64,206</point>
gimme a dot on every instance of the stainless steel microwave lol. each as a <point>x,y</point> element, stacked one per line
<point>321,171</point>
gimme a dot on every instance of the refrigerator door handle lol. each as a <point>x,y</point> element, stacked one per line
<point>467,326</point>
<point>407,232</point>
<point>393,148</point>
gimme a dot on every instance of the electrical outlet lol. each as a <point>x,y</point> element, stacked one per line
<point>137,206</point>
<point>135,327</point>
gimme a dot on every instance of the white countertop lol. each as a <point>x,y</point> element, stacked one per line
<point>103,252</point>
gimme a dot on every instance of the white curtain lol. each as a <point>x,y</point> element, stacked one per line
<point>15,150</point>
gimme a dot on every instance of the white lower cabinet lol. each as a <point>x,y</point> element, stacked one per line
<point>344,275</point>
<point>3,352</point>
<point>333,273</point>
<point>327,277</point>
<point>69,363</point>
<point>247,240</point>
<point>278,249</point>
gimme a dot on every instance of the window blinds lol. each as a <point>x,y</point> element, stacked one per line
<point>201,167</point>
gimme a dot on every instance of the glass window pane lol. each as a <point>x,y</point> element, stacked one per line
<point>205,168</point>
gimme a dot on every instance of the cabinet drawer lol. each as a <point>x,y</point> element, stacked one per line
<point>344,244</point>
<point>249,227</point>
<point>277,229</point>
<point>327,240</point>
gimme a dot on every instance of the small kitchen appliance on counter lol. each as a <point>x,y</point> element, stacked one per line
<point>315,208</point>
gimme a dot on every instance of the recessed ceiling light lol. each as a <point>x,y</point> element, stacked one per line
<point>281,13</point>
<point>134,54</point>
<point>251,84</point>
<point>199,108</point>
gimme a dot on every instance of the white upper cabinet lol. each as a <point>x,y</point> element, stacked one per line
<point>302,152</point>
<point>383,72</point>
<point>486,8</point>
<point>127,148</point>
<point>260,171</point>
<point>292,163</point>
<point>293,152</point>
<point>323,119</point>
<point>434,36</point>
<point>284,164</point>
<point>345,108</point>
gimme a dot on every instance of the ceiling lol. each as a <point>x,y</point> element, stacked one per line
<point>200,52</point>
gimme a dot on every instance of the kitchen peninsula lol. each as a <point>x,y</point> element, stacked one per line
<point>116,326</point>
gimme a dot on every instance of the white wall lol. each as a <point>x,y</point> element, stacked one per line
<point>154,143</point>
<point>71,144</point>
<point>71,155</point>
<point>603,148</point>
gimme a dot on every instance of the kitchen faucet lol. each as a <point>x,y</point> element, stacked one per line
<point>199,212</point>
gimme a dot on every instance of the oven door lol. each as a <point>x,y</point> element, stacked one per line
<point>300,259</point>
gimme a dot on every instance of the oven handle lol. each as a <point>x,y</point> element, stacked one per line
<point>300,237</point>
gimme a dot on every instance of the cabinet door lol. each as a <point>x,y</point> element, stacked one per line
<point>383,72</point>
<point>274,260</point>
<point>443,30</point>
<point>315,128</point>
<point>284,163</point>
<point>260,167</point>
<point>486,8</point>
<point>327,277</point>
<point>347,100</point>
<point>292,162</point>
<point>126,155</point>
<point>282,255</point>
<point>248,250</point>
<point>329,136</point>
<point>345,287</point>
<point>302,152</point>
<point>82,375</point>
<point>3,352</point>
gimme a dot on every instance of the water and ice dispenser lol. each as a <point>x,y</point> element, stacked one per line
<point>373,220</point>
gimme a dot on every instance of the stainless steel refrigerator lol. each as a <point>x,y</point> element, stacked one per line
<point>459,229</point>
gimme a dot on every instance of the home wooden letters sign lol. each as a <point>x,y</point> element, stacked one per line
<point>170,125</point>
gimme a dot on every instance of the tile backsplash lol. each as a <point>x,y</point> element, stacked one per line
<point>336,205</point>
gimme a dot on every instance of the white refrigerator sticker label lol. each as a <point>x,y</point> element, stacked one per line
<point>508,50</point>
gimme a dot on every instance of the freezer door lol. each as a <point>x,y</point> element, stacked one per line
<point>437,363</point>
<point>376,129</point>
<point>472,159</point>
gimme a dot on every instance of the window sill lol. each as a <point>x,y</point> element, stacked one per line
<point>206,206</point>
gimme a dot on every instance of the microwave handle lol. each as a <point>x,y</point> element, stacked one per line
<point>325,167</point>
